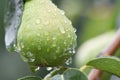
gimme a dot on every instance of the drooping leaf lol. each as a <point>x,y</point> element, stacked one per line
<point>69,74</point>
<point>56,77</point>
<point>12,20</point>
<point>30,78</point>
<point>56,74</point>
<point>74,74</point>
<point>109,64</point>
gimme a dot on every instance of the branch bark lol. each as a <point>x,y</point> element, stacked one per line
<point>110,50</point>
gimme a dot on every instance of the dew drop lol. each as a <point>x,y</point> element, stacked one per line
<point>32,44</point>
<point>72,51</point>
<point>69,36</point>
<point>62,30</point>
<point>48,39</point>
<point>49,68</point>
<point>18,49</point>
<point>46,34</point>
<point>64,43</point>
<point>24,58</point>
<point>55,9</point>
<point>54,14</point>
<point>29,54</point>
<point>31,60</point>
<point>54,45</point>
<point>30,57</point>
<point>62,12</point>
<point>58,48</point>
<point>65,21</point>
<point>49,10</point>
<point>22,46</point>
<point>38,21</point>
<point>54,38</point>
<point>38,68</point>
<point>75,30</point>
<point>69,61</point>
<point>38,35</point>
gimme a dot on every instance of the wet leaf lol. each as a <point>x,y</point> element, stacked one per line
<point>74,74</point>
<point>56,77</point>
<point>56,73</point>
<point>69,74</point>
<point>109,64</point>
<point>30,78</point>
<point>13,13</point>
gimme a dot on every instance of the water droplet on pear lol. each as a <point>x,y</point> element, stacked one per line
<point>62,30</point>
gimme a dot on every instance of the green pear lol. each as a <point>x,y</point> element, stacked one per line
<point>45,37</point>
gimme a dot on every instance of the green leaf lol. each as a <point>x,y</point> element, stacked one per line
<point>74,74</point>
<point>69,74</point>
<point>56,73</point>
<point>30,78</point>
<point>108,64</point>
<point>12,22</point>
<point>56,77</point>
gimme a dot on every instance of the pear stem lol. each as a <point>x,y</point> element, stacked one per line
<point>108,51</point>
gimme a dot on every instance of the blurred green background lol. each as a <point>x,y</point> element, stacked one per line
<point>90,18</point>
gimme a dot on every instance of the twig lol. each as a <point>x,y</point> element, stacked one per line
<point>95,74</point>
<point>110,50</point>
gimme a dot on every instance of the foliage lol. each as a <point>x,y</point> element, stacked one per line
<point>109,64</point>
<point>44,37</point>
<point>30,78</point>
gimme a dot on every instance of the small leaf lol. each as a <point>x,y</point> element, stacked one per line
<point>108,64</point>
<point>69,74</point>
<point>74,74</point>
<point>12,20</point>
<point>30,78</point>
<point>56,77</point>
<point>56,74</point>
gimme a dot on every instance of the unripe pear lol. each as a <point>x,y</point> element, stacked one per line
<point>45,37</point>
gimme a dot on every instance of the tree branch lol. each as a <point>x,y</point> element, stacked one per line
<point>110,50</point>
